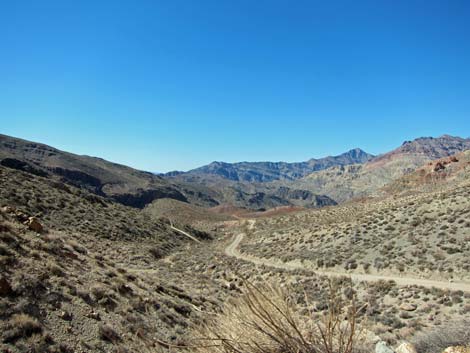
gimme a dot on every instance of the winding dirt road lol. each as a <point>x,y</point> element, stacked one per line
<point>233,251</point>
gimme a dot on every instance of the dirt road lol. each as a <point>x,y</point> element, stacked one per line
<point>233,251</point>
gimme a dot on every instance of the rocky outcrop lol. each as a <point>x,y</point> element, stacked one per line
<point>30,221</point>
<point>434,147</point>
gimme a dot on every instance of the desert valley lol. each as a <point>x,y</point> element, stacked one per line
<point>347,253</point>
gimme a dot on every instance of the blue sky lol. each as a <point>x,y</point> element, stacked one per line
<point>164,85</point>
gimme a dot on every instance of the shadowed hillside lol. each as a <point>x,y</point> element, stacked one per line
<point>65,284</point>
<point>124,184</point>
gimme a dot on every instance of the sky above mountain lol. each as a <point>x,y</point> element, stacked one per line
<point>164,85</point>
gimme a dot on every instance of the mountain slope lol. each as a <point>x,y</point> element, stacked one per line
<point>248,184</point>
<point>344,183</point>
<point>269,171</point>
<point>68,287</point>
<point>124,184</point>
<point>443,173</point>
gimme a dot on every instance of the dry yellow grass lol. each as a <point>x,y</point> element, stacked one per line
<point>266,320</point>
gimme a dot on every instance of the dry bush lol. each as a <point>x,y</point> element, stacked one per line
<point>265,320</point>
<point>435,341</point>
<point>21,325</point>
<point>77,246</point>
<point>108,333</point>
<point>4,228</point>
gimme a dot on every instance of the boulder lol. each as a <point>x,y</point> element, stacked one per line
<point>382,347</point>
<point>406,347</point>
<point>408,307</point>
<point>34,224</point>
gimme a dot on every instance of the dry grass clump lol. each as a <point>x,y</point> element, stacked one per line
<point>266,320</point>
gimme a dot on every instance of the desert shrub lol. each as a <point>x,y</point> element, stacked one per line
<point>109,334</point>
<point>77,247</point>
<point>4,228</point>
<point>435,341</point>
<point>21,325</point>
<point>55,269</point>
<point>157,253</point>
<point>382,287</point>
<point>100,291</point>
<point>4,251</point>
<point>266,320</point>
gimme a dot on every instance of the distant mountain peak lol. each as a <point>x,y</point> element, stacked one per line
<point>271,171</point>
<point>358,153</point>
<point>429,147</point>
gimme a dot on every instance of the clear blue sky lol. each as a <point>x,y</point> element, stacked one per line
<point>163,85</point>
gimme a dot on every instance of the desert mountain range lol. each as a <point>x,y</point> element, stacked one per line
<point>251,185</point>
<point>100,257</point>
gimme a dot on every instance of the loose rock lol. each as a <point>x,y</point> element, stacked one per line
<point>382,347</point>
<point>64,315</point>
<point>406,348</point>
<point>94,315</point>
<point>408,307</point>
<point>8,209</point>
<point>34,224</point>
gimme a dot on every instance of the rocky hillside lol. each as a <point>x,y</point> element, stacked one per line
<point>137,188</point>
<point>269,171</point>
<point>123,184</point>
<point>432,148</point>
<point>425,234</point>
<point>282,196</point>
<point>442,173</point>
<point>182,212</point>
<point>65,283</point>
<point>346,182</point>
<point>263,196</point>
<point>341,178</point>
<point>250,184</point>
